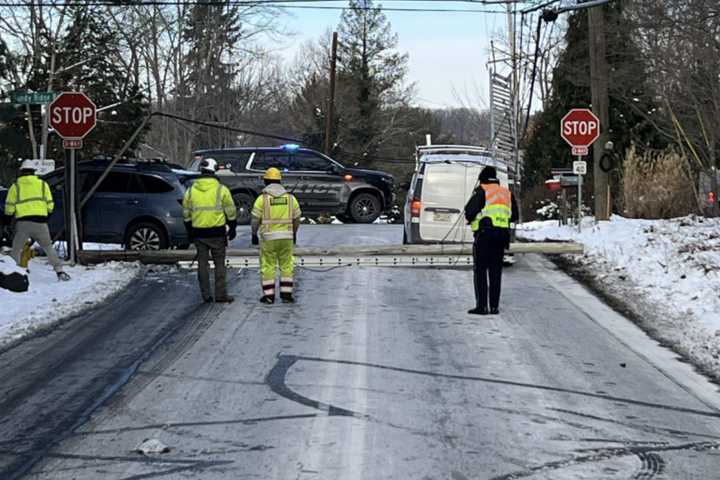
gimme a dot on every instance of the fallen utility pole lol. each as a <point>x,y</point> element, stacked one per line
<point>331,254</point>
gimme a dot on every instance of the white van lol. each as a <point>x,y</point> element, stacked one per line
<point>444,179</point>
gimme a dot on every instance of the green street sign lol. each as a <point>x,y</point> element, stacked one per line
<point>35,98</point>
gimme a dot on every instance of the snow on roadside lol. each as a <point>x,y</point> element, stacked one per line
<point>49,300</point>
<point>673,265</point>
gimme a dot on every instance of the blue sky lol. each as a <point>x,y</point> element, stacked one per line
<point>448,51</point>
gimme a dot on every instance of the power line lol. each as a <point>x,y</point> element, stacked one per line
<point>273,3</point>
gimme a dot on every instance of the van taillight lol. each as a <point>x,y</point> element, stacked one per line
<point>415,207</point>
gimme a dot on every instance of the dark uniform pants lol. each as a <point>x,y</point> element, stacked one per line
<point>215,247</point>
<point>488,252</point>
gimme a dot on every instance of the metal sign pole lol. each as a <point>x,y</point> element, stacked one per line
<point>72,231</point>
<point>580,182</point>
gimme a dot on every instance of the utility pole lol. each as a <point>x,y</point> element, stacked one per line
<point>600,106</point>
<point>331,100</point>
<point>515,90</point>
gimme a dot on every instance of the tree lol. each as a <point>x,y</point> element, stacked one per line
<point>631,96</point>
<point>371,75</point>
<point>681,44</point>
<point>91,48</point>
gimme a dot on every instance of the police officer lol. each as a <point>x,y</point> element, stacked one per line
<point>489,211</point>
<point>208,210</point>
<point>30,201</point>
<point>276,217</point>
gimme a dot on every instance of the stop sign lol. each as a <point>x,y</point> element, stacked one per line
<point>580,127</point>
<point>72,115</point>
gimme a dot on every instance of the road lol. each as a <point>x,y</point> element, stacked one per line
<point>375,373</point>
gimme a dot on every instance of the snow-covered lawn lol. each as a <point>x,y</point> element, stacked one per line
<point>49,300</point>
<point>669,267</point>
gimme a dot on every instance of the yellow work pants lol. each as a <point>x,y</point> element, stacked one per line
<point>276,254</point>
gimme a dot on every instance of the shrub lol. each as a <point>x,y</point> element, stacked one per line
<point>657,184</point>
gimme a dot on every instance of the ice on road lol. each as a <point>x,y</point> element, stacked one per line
<point>379,373</point>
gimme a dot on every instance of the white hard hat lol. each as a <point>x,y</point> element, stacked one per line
<point>28,165</point>
<point>209,165</point>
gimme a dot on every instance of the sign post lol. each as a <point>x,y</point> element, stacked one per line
<point>580,128</point>
<point>72,115</point>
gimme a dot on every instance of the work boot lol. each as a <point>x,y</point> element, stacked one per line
<point>478,311</point>
<point>494,311</point>
<point>63,277</point>
<point>287,297</point>
<point>268,299</point>
<point>225,299</point>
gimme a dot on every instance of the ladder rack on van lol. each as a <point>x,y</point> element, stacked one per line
<point>465,153</point>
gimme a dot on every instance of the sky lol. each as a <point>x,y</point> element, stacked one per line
<point>448,52</point>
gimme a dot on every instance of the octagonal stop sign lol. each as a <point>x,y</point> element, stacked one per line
<point>73,115</point>
<point>580,127</point>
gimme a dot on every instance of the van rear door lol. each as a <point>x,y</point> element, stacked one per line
<point>446,188</point>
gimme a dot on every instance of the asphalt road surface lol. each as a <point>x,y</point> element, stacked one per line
<point>376,373</point>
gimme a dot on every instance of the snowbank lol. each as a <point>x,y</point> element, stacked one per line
<point>669,266</point>
<point>49,300</point>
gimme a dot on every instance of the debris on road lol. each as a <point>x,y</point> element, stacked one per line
<point>151,446</point>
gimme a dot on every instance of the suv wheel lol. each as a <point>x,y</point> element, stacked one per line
<point>365,208</point>
<point>146,236</point>
<point>244,205</point>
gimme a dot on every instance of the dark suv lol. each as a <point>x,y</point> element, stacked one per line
<point>138,205</point>
<point>321,185</point>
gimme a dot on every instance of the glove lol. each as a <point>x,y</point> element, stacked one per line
<point>255,240</point>
<point>232,233</point>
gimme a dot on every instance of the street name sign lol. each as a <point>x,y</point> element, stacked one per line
<point>32,98</point>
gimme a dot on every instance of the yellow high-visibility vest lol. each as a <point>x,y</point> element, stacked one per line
<point>29,196</point>
<point>276,215</point>
<point>498,207</point>
<point>208,204</point>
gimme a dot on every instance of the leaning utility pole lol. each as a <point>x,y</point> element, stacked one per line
<point>600,101</point>
<point>331,100</point>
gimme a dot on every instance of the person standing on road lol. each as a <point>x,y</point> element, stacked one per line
<point>489,212</point>
<point>208,211</point>
<point>30,201</point>
<point>276,217</point>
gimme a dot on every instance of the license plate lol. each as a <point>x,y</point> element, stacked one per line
<point>442,217</point>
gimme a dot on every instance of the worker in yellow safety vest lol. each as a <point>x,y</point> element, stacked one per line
<point>275,222</point>
<point>30,202</point>
<point>211,220</point>
<point>489,212</point>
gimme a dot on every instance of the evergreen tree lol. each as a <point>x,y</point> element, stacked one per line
<point>91,48</point>
<point>631,96</point>
<point>370,75</point>
<point>213,32</point>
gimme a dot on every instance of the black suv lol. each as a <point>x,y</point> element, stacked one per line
<point>321,185</point>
